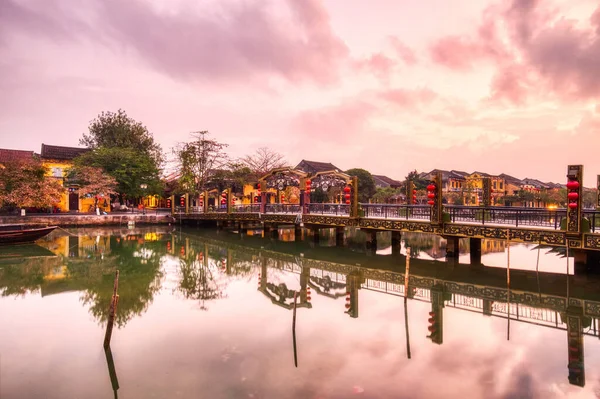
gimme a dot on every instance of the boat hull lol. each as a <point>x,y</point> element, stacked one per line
<point>24,235</point>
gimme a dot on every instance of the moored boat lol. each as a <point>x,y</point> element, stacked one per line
<point>20,234</point>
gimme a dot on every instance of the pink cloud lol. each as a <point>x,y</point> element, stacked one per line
<point>405,53</point>
<point>404,98</point>
<point>234,41</point>
<point>377,64</point>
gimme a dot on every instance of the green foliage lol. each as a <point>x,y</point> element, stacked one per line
<point>420,183</point>
<point>366,184</point>
<point>93,182</point>
<point>129,167</point>
<point>111,130</point>
<point>234,176</point>
<point>384,195</point>
<point>318,196</point>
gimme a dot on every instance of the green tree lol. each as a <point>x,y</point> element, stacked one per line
<point>198,161</point>
<point>419,182</point>
<point>117,130</point>
<point>129,167</point>
<point>366,184</point>
<point>384,195</point>
<point>24,184</point>
<point>318,196</point>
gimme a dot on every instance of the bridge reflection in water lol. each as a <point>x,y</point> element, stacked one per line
<point>549,300</point>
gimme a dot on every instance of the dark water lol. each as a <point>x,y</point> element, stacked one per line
<point>207,315</point>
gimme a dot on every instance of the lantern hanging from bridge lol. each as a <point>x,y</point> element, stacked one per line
<point>168,246</point>
<point>347,195</point>
<point>308,185</point>
<point>573,195</point>
<point>256,198</point>
<point>168,202</point>
<point>182,250</point>
<point>182,200</point>
<point>223,265</point>
<point>431,193</point>
<point>308,298</point>
<point>414,196</point>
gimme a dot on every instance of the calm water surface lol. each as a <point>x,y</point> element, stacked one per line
<point>207,315</point>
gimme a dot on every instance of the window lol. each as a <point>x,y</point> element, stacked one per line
<point>57,172</point>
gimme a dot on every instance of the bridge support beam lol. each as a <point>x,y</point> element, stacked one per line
<point>274,232</point>
<point>452,247</point>
<point>219,225</point>
<point>297,233</point>
<point>316,236</point>
<point>475,251</point>
<point>396,242</point>
<point>339,236</point>
<point>371,241</point>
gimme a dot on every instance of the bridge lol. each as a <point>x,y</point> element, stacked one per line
<point>545,299</point>
<point>575,228</point>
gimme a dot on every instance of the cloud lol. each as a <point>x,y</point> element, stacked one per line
<point>535,50</point>
<point>404,52</point>
<point>408,98</point>
<point>233,41</point>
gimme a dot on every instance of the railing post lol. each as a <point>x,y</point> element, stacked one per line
<point>517,217</point>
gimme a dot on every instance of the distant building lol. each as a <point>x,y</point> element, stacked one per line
<point>384,182</point>
<point>58,160</point>
<point>313,167</point>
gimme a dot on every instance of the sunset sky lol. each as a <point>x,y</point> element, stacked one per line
<point>387,85</point>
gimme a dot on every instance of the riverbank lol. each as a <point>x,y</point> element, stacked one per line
<point>88,220</point>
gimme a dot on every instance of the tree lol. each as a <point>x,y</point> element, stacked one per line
<point>263,161</point>
<point>111,130</point>
<point>93,182</point>
<point>130,169</point>
<point>419,182</point>
<point>24,184</point>
<point>383,195</point>
<point>366,184</point>
<point>198,161</point>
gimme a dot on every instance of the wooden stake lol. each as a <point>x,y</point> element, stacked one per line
<point>407,272</point>
<point>112,310</point>
<point>294,331</point>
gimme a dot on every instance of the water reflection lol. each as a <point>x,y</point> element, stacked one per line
<point>456,306</point>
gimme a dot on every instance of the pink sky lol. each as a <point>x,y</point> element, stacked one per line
<point>386,85</point>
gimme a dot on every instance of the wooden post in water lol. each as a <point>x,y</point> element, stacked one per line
<point>112,310</point>
<point>294,331</point>
<point>406,273</point>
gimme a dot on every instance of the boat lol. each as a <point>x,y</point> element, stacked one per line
<point>21,234</point>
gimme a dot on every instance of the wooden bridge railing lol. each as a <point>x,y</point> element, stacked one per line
<point>283,208</point>
<point>329,209</point>
<point>539,217</point>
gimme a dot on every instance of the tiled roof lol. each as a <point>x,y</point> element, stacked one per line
<point>511,179</point>
<point>14,155</point>
<point>61,153</point>
<point>318,166</point>
<point>387,180</point>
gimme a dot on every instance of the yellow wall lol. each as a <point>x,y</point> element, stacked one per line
<point>58,170</point>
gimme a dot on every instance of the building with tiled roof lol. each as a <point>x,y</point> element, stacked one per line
<point>315,167</point>
<point>61,153</point>
<point>384,181</point>
<point>7,155</point>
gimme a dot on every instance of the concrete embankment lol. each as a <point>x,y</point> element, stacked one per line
<point>88,220</point>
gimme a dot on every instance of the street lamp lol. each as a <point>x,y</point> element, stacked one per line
<point>143,186</point>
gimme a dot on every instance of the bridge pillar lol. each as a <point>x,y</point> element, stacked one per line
<point>487,307</point>
<point>372,240</point>
<point>316,236</point>
<point>396,242</point>
<point>452,247</point>
<point>436,316</point>
<point>297,232</point>
<point>219,225</point>
<point>475,251</point>
<point>339,236</point>
<point>274,232</point>
<point>243,228</point>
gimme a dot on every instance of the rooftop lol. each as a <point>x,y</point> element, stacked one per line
<point>14,155</point>
<point>61,153</point>
<point>318,166</point>
<point>387,180</point>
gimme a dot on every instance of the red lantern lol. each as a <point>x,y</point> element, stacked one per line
<point>431,187</point>
<point>347,306</point>
<point>224,194</point>
<point>573,185</point>
<point>168,245</point>
<point>414,192</point>
<point>431,195</point>
<point>348,202</point>
<point>347,189</point>
<point>255,198</point>
<point>258,186</point>
<point>223,201</point>
<point>182,201</point>
<point>347,196</point>
<point>431,202</point>
<point>168,203</point>
<point>572,205</point>
<point>573,195</point>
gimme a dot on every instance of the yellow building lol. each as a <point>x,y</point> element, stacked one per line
<point>58,160</point>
